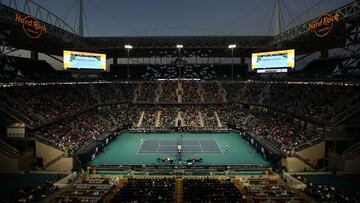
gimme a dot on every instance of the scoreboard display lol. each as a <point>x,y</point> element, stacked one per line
<point>84,60</point>
<point>273,60</point>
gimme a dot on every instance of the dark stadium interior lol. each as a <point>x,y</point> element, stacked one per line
<point>264,117</point>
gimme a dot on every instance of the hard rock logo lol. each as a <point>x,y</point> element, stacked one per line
<point>323,25</point>
<point>31,26</point>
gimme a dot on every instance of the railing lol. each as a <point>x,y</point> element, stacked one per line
<point>352,151</point>
<point>305,161</point>
<point>13,112</point>
<point>47,142</point>
<point>8,149</point>
<point>309,143</point>
<point>54,160</point>
<point>338,119</point>
<point>190,170</point>
<point>266,143</point>
<point>293,182</point>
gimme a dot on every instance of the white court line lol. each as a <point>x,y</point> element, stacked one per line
<point>198,152</point>
<point>218,146</point>
<point>137,152</point>
<point>160,140</point>
<point>176,145</point>
<point>157,149</point>
<point>200,146</point>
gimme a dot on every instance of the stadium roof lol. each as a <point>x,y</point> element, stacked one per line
<point>58,38</point>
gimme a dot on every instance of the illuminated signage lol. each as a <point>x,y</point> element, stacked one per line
<point>279,70</point>
<point>323,25</point>
<point>84,60</point>
<point>273,59</point>
<point>31,26</point>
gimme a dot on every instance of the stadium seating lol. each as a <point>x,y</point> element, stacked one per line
<point>169,93</point>
<point>278,131</point>
<point>327,188</point>
<point>147,190</point>
<point>82,129</point>
<point>30,187</point>
<point>147,92</point>
<point>190,91</point>
<point>211,92</point>
<point>111,92</point>
<point>42,102</point>
<point>210,190</point>
<point>167,118</point>
<point>48,103</point>
<point>93,189</point>
<point>321,101</point>
<point>149,120</point>
<point>233,90</point>
<point>266,189</point>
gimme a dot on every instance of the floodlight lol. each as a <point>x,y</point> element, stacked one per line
<point>128,46</point>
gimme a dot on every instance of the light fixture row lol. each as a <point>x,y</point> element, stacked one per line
<point>180,46</point>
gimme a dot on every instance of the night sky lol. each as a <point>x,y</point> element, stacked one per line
<point>187,17</point>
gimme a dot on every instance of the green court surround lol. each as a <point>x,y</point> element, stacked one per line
<point>123,150</point>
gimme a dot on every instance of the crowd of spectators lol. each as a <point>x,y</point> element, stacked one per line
<point>149,119</point>
<point>191,116</point>
<point>169,93</point>
<point>147,93</point>
<point>146,190</point>
<point>84,128</point>
<point>209,118</point>
<point>233,90</point>
<point>42,103</point>
<point>117,113</point>
<point>134,114</point>
<point>167,117</point>
<point>212,92</point>
<point>278,131</point>
<point>80,130</point>
<point>128,90</point>
<point>321,101</point>
<point>190,91</point>
<point>210,190</point>
<point>252,92</point>
<point>223,114</point>
<point>74,102</point>
<point>110,92</point>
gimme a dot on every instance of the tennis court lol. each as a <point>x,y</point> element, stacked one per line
<point>147,148</point>
<point>189,146</point>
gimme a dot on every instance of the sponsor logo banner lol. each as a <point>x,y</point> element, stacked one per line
<point>31,26</point>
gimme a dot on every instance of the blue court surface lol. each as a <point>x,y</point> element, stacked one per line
<point>189,146</point>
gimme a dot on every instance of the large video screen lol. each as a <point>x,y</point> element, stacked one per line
<point>84,60</point>
<point>273,59</point>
